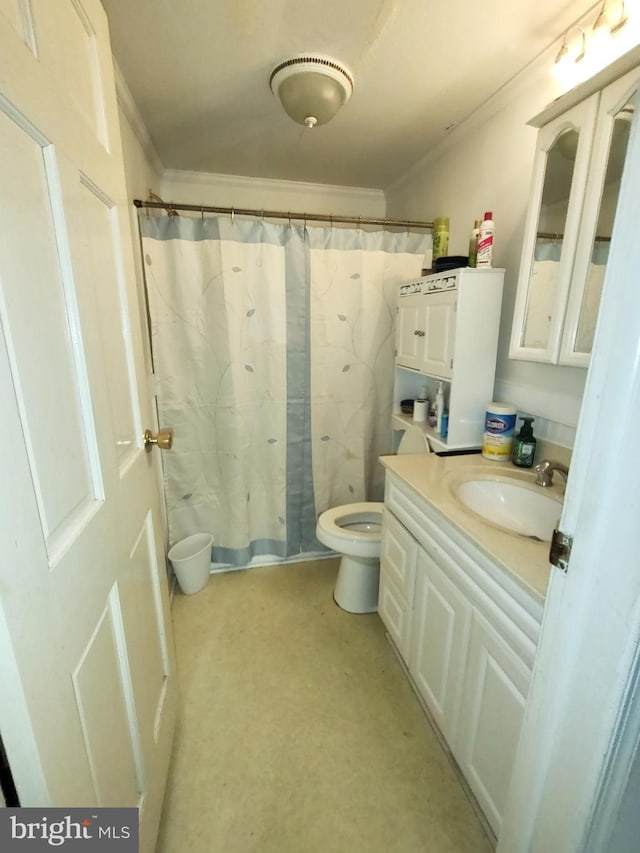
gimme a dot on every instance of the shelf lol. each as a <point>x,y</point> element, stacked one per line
<point>436,442</point>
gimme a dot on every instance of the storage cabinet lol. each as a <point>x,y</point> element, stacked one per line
<point>580,154</point>
<point>468,640</point>
<point>447,330</point>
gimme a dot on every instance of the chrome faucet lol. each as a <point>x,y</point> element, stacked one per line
<point>544,471</point>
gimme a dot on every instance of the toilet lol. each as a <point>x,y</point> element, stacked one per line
<point>354,530</point>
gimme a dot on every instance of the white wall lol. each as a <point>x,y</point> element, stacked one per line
<point>485,164</point>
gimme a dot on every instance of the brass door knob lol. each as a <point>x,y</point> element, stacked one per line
<point>163,440</point>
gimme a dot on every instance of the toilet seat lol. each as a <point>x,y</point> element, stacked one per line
<point>352,528</point>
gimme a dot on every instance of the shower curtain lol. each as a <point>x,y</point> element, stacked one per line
<point>273,348</point>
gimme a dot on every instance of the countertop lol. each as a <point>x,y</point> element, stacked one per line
<point>434,479</point>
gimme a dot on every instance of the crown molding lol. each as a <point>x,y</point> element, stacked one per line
<point>321,194</point>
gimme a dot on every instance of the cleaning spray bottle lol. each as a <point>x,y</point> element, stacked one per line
<point>485,241</point>
<point>524,445</point>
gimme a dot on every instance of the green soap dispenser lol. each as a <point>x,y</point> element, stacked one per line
<point>524,445</point>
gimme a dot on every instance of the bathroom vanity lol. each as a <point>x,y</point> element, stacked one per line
<point>462,601</point>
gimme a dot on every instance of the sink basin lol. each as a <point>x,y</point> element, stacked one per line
<point>511,505</point>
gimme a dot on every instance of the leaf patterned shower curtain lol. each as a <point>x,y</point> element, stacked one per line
<point>273,352</point>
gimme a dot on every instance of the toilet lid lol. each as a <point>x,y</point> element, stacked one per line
<point>413,441</point>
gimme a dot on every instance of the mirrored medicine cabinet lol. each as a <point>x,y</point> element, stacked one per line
<point>580,153</point>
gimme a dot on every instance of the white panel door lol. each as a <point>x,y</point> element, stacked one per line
<point>87,709</point>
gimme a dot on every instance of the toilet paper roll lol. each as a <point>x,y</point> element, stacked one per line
<point>420,410</point>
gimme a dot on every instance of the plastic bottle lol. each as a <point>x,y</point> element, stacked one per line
<point>440,237</point>
<point>485,241</point>
<point>499,426</point>
<point>473,243</point>
<point>444,426</point>
<point>439,407</point>
<point>524,445</point>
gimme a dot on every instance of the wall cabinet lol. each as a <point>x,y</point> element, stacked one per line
<point>468,640</point>
<point>580,155</point>
<point>447,330</point>
<point>426,329</point>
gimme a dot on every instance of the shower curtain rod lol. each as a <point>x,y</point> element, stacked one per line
<point>281,214</point>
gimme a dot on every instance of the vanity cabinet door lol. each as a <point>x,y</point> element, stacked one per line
<point>398,550</point>
<point>441,622</point>
<point>492,709</point>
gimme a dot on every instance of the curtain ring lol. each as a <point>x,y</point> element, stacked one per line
<point>202,213</point>
<point>262,217</point>
<point>233,216</point>
<point>289,219</point>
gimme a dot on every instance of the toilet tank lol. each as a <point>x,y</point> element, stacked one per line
<point>413,440</point>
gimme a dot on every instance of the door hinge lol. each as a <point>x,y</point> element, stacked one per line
<point>560,549</point>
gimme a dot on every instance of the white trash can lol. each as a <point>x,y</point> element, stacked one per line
<point>191,561</point>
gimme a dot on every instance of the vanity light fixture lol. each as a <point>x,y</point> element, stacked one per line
<point>622,20</point>
<point>311,88</point>
<point>564,66</point>
<point>583,46</point>
<point>601,23</point>
<point>600,33</point>
<point>563,53</point>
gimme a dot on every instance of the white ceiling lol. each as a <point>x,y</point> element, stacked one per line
<point>199,73</point>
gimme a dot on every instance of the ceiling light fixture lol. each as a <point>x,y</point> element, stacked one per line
<point>311,89</point>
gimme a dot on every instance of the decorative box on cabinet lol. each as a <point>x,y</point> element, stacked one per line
<point>471,644</point>
<point>447,328</point>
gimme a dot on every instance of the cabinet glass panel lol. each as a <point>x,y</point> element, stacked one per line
<point>604,227</point>
<point>545,267</point>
